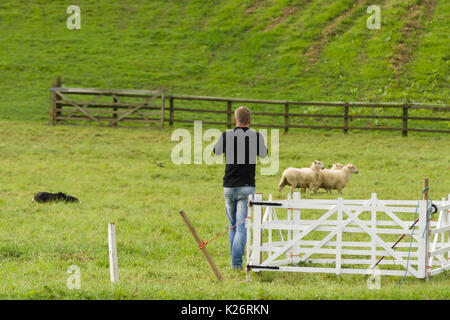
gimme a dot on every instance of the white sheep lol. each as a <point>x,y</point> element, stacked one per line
<point>336,179</point>
<point>336,166</point>
<point>302,178</point>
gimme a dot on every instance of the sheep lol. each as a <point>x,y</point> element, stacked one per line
<point>337,178</point>
<point>302,178</point>
<point>336,166</point>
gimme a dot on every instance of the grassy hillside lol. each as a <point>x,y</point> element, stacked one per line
<point>298,50</point>
<point>120,181</point>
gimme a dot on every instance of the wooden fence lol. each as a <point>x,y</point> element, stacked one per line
<point>287,114</point>
<point>143,109</point>
<point>64,108</point>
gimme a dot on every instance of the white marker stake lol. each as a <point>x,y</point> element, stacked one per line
<point>113,266</point>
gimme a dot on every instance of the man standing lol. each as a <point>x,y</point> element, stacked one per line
<point>241,146</point>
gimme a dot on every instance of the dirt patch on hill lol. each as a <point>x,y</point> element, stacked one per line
<point>286,13</point>
<point>313,52</point>
<point>404,49</point>
<point>253,7</point>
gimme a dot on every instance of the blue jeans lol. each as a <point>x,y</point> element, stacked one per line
<point>236,209</point>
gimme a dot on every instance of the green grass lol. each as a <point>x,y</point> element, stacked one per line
<point>114,173</point>
<point>249,49</point>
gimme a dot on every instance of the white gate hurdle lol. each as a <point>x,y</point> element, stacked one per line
<point>348,236</point>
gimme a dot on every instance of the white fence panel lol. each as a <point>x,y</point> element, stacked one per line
<point>347,236</point>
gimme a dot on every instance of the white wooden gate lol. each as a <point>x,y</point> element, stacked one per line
<point>348,236</point>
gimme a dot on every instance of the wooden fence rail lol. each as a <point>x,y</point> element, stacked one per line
<point>63,108</point>
<point>288,114</point>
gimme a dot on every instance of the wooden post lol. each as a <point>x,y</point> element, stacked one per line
<point>171,111</point>
<point>286,118</point>
<point>422,248</point>
<point>52,112</point>
<point>163,101</point>
<point>425,186</point>
<point>115,109</point>
<point>58,84</point>
<point>427,232</point>
<point>229,114</point>
<point>405,120</point>
<point>113,265</point>
<point>346,118</point>
<point>203,248</point>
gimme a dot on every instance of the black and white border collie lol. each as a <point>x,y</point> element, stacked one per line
<point>49,197</point>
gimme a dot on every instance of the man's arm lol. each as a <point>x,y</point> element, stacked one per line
<point>262,149</point>
<point>219,147</point>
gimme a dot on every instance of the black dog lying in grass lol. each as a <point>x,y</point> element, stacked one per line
<point>49,197</point>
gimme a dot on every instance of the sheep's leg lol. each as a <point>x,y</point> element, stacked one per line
<point>313,187</point>
<point>316,188</point>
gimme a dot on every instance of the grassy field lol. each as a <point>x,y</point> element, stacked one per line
<point>114,173</point>
<point>295,50</point>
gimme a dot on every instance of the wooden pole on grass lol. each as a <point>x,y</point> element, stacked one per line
<point>113,265</point>
<point>202,248</point>
<point>58,84</point>
<point>54,98</point>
